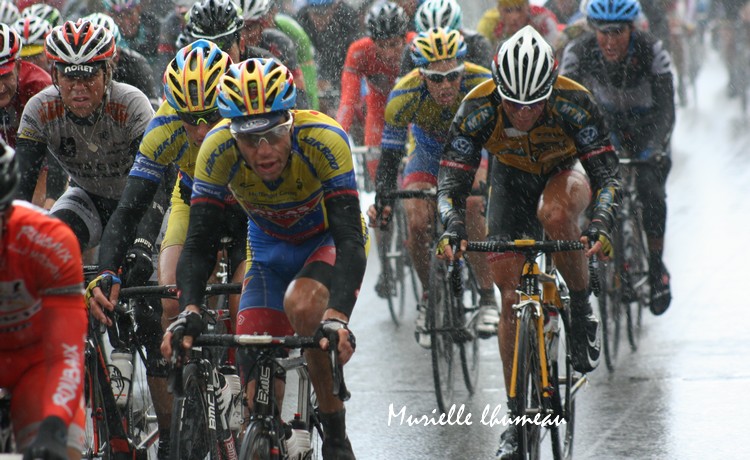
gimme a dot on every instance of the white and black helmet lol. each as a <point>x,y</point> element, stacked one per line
<point>8,12</point>
<point>386,20</point>
<point>252,10</point>
<point>524,68</point>
<point>81,42</point>
<point>434,14</point>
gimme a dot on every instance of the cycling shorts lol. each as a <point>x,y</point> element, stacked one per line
<point>272,264</point>
<point>85,214</point>
<point>514,199</point>
<point>424,161</point>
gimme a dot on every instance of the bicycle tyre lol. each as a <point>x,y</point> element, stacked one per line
<point>609,300</point>
<point>142,426</point>
<point>636,275</point>
<point>191,438</point>
<point>562,399</point>
<point>469,348</point>
<point>439,324</point>
<point>96,429</point>
<point>257,443</point>
<point>392,251</point>
<point>528,399</point>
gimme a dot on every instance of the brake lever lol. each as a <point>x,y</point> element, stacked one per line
<point>339,385</point>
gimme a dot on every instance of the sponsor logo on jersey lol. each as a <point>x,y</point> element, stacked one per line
<point>461,145</point>
<point>70,379</point>
<point>573,113</point>
<point>477,119</point>
<point>587,135</point>
<point>322,148</point>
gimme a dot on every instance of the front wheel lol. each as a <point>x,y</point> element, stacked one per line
<point>440,325</point>
<point>191,437</point>
<point>528,397</point>
<point>258,443</point>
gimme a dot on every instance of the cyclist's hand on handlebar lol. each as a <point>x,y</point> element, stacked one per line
<point>379,217</point>
<point>598,237</point>
<point>335,331</point>
<point>188,325</point>
<point>101,296</point>
<point>50,442</point>
<point>138,266</point>
<point>455,236</point>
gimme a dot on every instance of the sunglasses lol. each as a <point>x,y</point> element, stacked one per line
<point>438,77</point>
<point>208,117</point>
<point>271,135</point>
<point>519,106</point>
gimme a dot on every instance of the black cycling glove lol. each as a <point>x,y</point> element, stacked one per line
<point>50,442</point>
<point>597,231</point>
<point>138,266</point>
<point>329,329</point>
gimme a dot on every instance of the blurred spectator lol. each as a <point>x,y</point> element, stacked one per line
<point>510,16</point>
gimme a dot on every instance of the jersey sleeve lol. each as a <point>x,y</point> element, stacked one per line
<point>351,84</point>
<point>160,145</point>
<point>216,164</point>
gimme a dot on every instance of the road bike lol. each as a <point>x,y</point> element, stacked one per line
<point>120,417</point>
<point>543,383</point>
<point>205,429</point>
<point>397,271</point>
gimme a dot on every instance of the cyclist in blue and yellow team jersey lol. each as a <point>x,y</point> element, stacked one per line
<point>426,99</point>
<point>540,129</point>
<point>292,172</point>
<point>173,137</point>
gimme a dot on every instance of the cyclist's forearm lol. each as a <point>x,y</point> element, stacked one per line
<point>121,227</point>
<point>199,253</point>
<point>345,224</point>
<point>603,170</point>
<point>455,179</point>
<point>387,172</point>
<point>30,156</point>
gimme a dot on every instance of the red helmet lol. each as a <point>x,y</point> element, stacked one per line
<point>81,42</point>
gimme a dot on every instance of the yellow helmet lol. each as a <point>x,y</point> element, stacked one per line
<point>256,86</point>
<point>191,81</point>
<point>437,45</point>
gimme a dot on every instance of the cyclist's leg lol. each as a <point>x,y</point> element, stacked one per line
<point>565,197</point>
<point>84,214</point>
<point>511,214</point>
<point>651,185</point>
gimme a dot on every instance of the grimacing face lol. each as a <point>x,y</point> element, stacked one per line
<point>614,43</point>
<point>8,86</point>
<point>445,92</point>
<point>82,95</point>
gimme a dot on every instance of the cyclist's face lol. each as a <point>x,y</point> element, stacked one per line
<point>514,18</point>
<point>614,43</point>
<point>82,95</point>
<point>8,86</point>
<point>266,158</point>
<point>196,133</point>
<point>445,91</point>
<point>129,21</point>
<point>523,117</point>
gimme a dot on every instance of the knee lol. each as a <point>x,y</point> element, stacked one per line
<point>554,217</point>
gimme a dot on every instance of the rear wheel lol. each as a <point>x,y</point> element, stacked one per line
<point>635,275</point>
<point>440,325</point>
<point>609,300</point>
<point>191,437</point>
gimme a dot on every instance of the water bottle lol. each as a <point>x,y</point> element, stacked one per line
<point>298,443</point>
<point>552,322</point>
<point>121,375</point>
<point>234,387</point>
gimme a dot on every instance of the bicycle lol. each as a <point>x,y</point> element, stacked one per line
<point>625,286</point>
<point>120,417</point>
<point>395,262</point>
<point>198,383</point>
<point>543,383</point>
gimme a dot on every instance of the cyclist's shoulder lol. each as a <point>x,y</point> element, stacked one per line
<point>475,74</point>
<point>292,28</point>
<point>127,105</point>
<point>32,79</point>
<point>314,124</point>
<point>483,90</point>
<point>45,239</point>
<point>164,129</point>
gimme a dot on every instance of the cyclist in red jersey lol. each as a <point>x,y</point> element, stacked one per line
<point>374,58</point>
<point>19,81</point>
<point>43,324</point>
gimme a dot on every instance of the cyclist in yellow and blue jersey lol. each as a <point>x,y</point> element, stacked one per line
<point>172,138</point>
<point>426,99</point>
<point>292,172</point>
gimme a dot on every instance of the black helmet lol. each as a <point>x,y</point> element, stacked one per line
<point>214,19</point>
<point>9,175</point>
<point>386,20</point>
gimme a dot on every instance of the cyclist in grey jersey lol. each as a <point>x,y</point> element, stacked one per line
<point>92,126</point>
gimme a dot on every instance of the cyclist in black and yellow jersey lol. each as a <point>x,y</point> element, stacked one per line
<point>292,172</point>
<point>539,129</point>
<point>172,138</point>
<point>426,99</point>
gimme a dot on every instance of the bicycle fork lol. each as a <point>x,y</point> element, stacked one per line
<point>536,307</point>
<point>223,433</point>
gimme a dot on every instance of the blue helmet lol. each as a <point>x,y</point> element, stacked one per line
<point>604,11</point>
